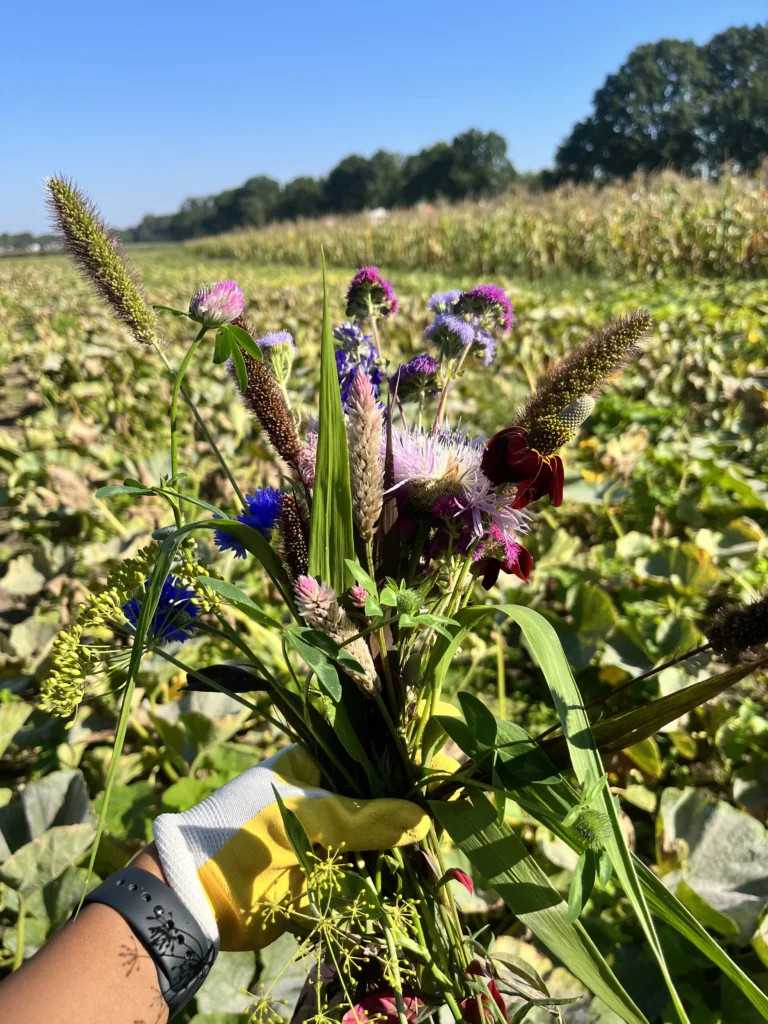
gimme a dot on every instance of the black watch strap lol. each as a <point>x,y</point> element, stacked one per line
<point>181,952</point>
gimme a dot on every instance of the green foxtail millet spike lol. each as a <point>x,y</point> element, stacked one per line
<point>100,258</point>
<point>586,369</point>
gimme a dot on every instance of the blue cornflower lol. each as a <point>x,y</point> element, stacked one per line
<point>264,507</point>
<point>174,617</point>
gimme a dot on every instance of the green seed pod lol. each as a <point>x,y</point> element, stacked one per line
<point>97,253</point>
<point>592,828</point>
<point>573,415</point>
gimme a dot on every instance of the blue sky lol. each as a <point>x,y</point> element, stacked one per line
<point>145,103</point>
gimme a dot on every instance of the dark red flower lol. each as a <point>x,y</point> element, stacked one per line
<point>378,1005</point>
<point>470,1008</point>
<point>455,875</point>
<point>509,459</point>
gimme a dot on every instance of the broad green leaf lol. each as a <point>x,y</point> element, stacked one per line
<point>318,661</point>
<point>296,833</point>
<point>37,863</point>
<point>240,600</point>
<point>331,529</point>
<point>544,643</point>
<point>479,719</point>
<point>582,883</point>
<point>110,489</point>
<point>629,727</point>
<point>246,342</point>
<point>12,717</point>
<point>240,368</point>
<point>60,798</point>
<point>549,804</point>
<point>222,346</point>
<point>226,988</point>
<point>501,858</point>
<point>361,576</point>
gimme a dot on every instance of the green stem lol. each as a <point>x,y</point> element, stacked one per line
<point>175,412</point>
<point>203,428</point>
<point>452,375</point>
<point>501,689</point>
<point>391,948</point>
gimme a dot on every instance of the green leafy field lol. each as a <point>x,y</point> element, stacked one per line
<point>665,517</point>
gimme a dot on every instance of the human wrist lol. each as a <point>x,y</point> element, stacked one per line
<point>148,859</point>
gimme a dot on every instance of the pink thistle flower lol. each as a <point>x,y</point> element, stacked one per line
<point>430,467</point>
<point>369,294</point>
<point>215,304</point>
<point>490,304</point>
<point>358,595</point>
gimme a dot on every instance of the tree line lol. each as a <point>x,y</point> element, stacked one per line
<point>472,166</point>
<point>673,104</point>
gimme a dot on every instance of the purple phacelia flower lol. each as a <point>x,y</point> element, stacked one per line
<point>443,302</point>
<point>486,346</point>
<point>277,338</point>
<point>215,304</point>
<point>279,352</point>
<point>370,295</point>
<point>415,378</point>
<point>450,333</point>
<point>263,509</point>
<point>489,304</point>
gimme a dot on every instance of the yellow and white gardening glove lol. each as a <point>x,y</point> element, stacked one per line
<point>229,857</point>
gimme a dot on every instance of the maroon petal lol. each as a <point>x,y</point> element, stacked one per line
<point>454,874</point>
<point>557,481</point>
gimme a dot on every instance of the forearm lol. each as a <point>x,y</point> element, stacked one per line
<point>94,970</point>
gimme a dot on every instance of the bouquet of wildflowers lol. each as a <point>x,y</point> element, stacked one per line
<point>389,517</point>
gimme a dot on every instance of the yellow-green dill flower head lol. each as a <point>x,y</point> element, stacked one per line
<point>98,255</point>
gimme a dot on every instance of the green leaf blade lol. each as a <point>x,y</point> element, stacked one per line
<point>331,531</point>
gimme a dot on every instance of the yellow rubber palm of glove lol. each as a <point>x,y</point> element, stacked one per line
<point>256,867</point>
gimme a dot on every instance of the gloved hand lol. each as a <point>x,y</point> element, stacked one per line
<point>229,856</point>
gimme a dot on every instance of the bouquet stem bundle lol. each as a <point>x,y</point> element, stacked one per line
<point>383,527</point>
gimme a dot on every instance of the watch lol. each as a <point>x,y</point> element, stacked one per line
<point>181,952</point>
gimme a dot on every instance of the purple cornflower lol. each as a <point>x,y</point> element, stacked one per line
<point>414,378</point>
<point>215,304</point>
<point>370,295</point>
<point>489,304</point>
<point>264,507</point>
<point>174,617</point>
